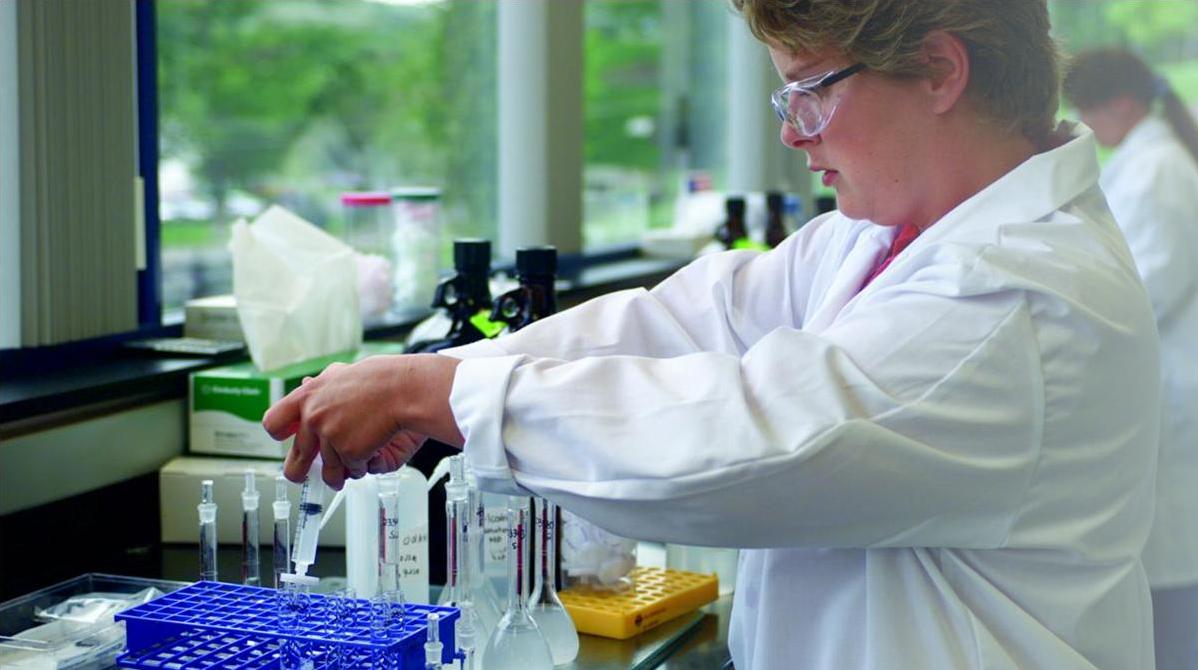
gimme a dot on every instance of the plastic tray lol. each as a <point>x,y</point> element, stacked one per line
<point>29,640</point>
<point>657,596</point>
<point>217,625</point>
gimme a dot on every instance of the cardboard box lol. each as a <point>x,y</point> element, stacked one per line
<point>179,493</point>
<point>212,318</point>
<point>227,403</point>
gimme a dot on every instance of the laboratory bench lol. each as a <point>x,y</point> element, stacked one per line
<point>84,519</point>
<point>692,641</point>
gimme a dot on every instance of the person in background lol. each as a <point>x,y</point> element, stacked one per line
<point>928,419</point>
<point>1151,183</point>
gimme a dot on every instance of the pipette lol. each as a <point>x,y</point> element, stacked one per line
<point>282,536</point>
<point>307,524</point>
<point>249,532</point>
<point>207,510</point>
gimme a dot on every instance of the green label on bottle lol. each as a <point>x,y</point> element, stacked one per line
<point>746,243</point>
<point>482,321</point>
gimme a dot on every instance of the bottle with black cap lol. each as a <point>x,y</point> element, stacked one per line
<point>733,233</point>
<point>466,295</point>
<point>535,298</point>
<point>775,226</point>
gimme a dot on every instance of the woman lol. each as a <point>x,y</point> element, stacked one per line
<point>1151,183</point>
<point>928,419</point>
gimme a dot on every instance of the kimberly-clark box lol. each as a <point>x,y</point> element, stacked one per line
<point>227,403</point>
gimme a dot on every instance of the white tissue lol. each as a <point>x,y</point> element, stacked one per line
<point>296,290</point>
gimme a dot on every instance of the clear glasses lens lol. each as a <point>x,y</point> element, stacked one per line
<point>802,109</point>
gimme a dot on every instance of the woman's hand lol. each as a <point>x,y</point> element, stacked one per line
<point>369,416</point>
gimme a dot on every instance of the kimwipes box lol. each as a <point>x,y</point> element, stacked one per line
<point>227,403</point>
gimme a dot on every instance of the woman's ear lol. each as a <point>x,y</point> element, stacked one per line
<point>948,70</point>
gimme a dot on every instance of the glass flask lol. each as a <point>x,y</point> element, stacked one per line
<point>544,605</point>
<point>517,643</point>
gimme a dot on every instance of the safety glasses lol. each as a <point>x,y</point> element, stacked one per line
<point>804,105</point>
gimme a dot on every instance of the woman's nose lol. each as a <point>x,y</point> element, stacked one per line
<point>795,140</point>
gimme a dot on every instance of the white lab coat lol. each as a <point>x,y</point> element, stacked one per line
<point>1151,183</point>
<point>951,468</point>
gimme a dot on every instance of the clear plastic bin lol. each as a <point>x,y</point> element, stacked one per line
<point>36,633</point>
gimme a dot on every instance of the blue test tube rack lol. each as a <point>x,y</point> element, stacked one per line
<point>214,625</point>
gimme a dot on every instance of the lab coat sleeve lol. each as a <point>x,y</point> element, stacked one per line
<point>1155,212</point>
<point>718,302</point>
<point>913,422</point>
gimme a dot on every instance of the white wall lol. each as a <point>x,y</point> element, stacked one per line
<point>49,465</point>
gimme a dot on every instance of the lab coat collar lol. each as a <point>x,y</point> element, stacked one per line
<point>1150,130</point>
<point>1034,189</point>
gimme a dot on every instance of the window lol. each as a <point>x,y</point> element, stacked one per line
<point>1161,32</point>
<point>654,109</point>
<point>293,102</point>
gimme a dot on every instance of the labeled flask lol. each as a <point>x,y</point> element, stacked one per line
<point>517,643</point>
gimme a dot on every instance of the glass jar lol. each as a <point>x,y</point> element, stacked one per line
<point>369,229</point>
<point>416,245</point>
<point>369,222</point>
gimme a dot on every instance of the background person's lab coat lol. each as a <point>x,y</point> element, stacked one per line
<point>951,468</point>
<point>1151,183</point>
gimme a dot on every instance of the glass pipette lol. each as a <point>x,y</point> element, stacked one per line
<point>249,532</point>
<point>207,510</point>
<point>282,537</point>
<point>307,524</point>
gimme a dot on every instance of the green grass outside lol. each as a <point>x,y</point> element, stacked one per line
<point>188,233</point>
<point>1184,78</point>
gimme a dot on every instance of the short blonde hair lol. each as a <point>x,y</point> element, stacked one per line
<point>1014,63</point>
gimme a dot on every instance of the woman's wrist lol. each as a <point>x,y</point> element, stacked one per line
<point>425,381</point>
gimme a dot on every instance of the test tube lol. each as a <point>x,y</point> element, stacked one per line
<point>207,510</point>
<point>293,602</point>
<point>466,634</point>
<point>250,573</point>
<point>342,608</point>
<point>463,583</point>
<point>282,536</point>
<point>386,614</point>
<point>390,592</point>
<point>307,524</point>
<point>432,644</point>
